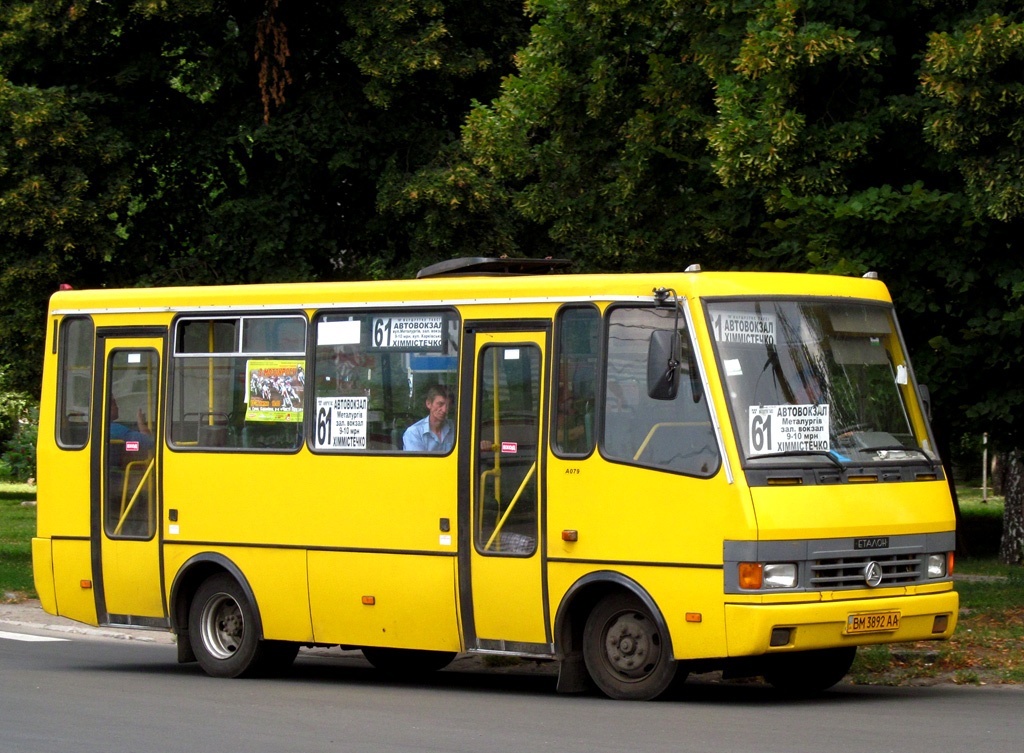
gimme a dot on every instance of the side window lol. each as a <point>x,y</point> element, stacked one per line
<point>74,391</point>
<point>238,383</point>
<point>376,373</point>
<point>508,415</point>
<point>672,435</point>
<point>576,374</point>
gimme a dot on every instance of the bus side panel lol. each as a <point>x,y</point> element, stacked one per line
<point>72,564</point>
<point>635,514</point>
<point>677,592</point>
<point>413,600</point>
<point>42,573</point>
<point>277,578</point>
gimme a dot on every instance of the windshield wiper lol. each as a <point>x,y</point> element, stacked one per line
<point>797,453</point>
<point>900,448</point>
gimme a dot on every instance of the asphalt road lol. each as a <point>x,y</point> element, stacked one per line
<point>91,692</point>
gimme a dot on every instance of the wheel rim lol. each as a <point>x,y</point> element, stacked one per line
<point>632,646</point>
<point>223,626</point>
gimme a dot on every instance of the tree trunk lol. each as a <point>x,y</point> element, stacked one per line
<point>1011,548</point>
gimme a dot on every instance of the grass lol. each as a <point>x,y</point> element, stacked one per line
<point>17,526</point>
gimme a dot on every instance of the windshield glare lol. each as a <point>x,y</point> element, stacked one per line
<point>817,377</point>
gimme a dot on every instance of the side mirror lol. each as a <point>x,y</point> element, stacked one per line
<point>926,400</point>
<point>663,365</point>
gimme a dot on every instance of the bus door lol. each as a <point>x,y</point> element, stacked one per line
<point>127,477</point>
<point>501,548</point>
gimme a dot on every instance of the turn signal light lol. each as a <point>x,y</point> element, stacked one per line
<point>85,583</point>
<point>570,535</point>
<point>751,574</point>
<point>369,600</point>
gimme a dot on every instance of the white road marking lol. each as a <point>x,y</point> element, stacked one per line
<point>28,638</point>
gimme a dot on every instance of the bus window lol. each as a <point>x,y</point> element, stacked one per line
<point>819,378</point>
<point>75,382</point>
<point>576,365</point>
<point>672,435</point>
<point>238,383</point>
<point>373,373</point>
<point>508,414</point>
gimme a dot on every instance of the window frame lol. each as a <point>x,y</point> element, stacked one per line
<point>239,316</point>
<point>450,314</point>
<point>686,321</point>
<point>477,537</point>
<point>62,373</point>
<point>556,361</point>
<point>888,306</point>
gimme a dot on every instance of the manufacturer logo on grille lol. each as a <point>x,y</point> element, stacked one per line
<point>873,574</point>
<point>875,542</point>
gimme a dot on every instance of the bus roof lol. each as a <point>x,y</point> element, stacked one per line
<point>464,290</point>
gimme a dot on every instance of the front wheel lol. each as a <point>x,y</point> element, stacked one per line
<point>809,671</point>
<point>625,652</point>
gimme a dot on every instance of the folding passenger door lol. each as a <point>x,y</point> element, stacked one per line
<point>126,481</point>
<point>502,432</point>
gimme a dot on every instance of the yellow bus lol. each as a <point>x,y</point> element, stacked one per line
<point>638,476</point>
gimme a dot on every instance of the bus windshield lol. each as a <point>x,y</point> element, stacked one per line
<point>811,377</point>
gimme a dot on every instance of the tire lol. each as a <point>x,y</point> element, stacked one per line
<point>807,672</point>
<point>625,652</point>
<point>406,661</point>
<point>222,630</point>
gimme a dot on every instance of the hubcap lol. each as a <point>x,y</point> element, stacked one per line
<point>222,626</point>
<point>631,646</point>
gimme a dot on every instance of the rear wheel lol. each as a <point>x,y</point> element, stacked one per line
<point>222,630</point>
<point>406,661</point>
<point>810,671</point>
<point>625,652</point>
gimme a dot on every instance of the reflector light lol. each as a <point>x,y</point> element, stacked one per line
<point>370,600</point>
<point>85,583</point>
<point>693,617</point>
<point>570,535</point>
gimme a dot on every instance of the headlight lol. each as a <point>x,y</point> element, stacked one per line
<point>936,565</point>
<point>780,575</point>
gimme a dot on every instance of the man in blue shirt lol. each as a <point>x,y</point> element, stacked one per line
<point>434,433</point>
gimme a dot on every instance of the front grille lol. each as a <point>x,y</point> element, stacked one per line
<point>848,572</point>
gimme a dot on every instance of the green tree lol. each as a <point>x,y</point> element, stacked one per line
<point>212,141</point>
<point>815,135</point>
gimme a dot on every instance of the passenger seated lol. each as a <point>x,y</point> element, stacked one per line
<point>434,432</point>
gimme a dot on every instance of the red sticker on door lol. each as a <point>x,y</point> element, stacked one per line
<point>510,447</point>
<point>131,446</point>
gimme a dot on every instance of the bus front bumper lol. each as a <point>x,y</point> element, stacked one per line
<point>755,629</point>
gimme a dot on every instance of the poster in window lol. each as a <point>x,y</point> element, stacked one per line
<point>276,389</point>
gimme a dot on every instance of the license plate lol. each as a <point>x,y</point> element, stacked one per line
<point>872,622</point>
